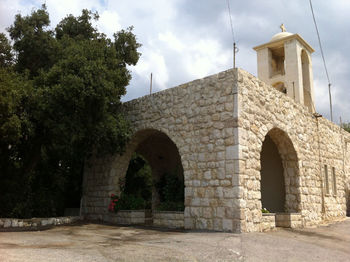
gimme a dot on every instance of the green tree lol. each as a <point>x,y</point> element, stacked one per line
<point>6,54</point>
<point>73,78</point>
<point>346,126</point>
<point>14,127</point>
<point>138,178</point>
<point>34,44</point>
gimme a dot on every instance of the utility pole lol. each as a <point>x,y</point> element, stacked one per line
<point>330,101</point>
<point>150,86</point>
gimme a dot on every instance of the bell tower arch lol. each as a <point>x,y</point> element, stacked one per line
<point>285,63</point>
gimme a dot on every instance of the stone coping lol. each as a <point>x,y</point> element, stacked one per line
<point>268,214</point>
<point>287,213</point>
<point>131,210</point>
<point>171,212</point>
<point>18,224</point>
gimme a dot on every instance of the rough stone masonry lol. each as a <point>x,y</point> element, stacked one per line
<point>220,126</point>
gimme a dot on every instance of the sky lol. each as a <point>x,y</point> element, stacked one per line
<point>183,40</point>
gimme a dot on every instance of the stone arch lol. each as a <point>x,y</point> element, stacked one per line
<point>157,148</point>
<point>280,87</point>
<point>279,144</point>
<point>305,65</point>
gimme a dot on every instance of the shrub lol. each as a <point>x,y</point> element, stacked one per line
<point>127,202</point>
<point>171,192</point>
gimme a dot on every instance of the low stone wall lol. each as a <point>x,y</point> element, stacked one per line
<point>291,220</point>
<point>169,219</point>
<point>268,221</point>
<point>35,223</point>
<point>127,217</point>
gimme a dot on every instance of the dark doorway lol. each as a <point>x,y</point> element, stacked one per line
<point>272,179</point>
<point>154,179</point>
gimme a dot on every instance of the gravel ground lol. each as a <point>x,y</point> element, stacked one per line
<point>97,242</point>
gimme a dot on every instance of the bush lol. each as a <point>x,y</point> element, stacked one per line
<point>138,179</point>
<point>131,202</point>
<point>171,206</point>
<point>171,192</point>
<point>127,202</point>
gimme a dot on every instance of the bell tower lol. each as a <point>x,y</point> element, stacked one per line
<point>285,63</point>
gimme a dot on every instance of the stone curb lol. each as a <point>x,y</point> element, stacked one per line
<point>17,224</point>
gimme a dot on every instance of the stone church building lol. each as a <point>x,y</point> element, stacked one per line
<point>244,144</point>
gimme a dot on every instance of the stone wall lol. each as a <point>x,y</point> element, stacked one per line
<point>268,221</point>
<point>200,118</point>
<point>35,223</point>
<point>127,217</point>
<point>218,125</point>
<point>346,139</point>
<point>168,219</point>
<point>315,142</point>
<point>289,220</point>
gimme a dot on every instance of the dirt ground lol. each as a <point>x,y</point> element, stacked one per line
<point>96,242</point>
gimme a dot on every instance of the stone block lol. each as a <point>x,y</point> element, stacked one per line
<point>228,192</point>
<point>232,152</point>
<point>188,223</point>
<point>201,223</point>
<point>207,175</point>
<point>7,223</point>
<point>14,223</point>
<point>227,225</point>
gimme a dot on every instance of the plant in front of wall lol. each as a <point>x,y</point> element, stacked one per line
<point>126,202</point>
<point>171,192</point>
<point>114,203</point>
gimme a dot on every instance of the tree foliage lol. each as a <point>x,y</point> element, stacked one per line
<point>138,178</point>
<point>346,126</point>
<point>59,102</point>
<point>6,55</point>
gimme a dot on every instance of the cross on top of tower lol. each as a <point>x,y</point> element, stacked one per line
<point>283,28</point>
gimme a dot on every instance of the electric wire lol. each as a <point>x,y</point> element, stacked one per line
<point>229,14</point>
<point>324,61</point>
<point>235,48</point>
<point>319,41</point>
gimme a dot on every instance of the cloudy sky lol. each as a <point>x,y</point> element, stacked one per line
<point>188,39</point>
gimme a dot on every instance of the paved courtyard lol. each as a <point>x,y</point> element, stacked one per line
<point>96,242</point>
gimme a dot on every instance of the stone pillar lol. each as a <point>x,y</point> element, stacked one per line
<point>293,71</point>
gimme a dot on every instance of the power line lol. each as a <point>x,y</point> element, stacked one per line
<point>324,61</point>
<point>229,14</point>
<point>235,49</point>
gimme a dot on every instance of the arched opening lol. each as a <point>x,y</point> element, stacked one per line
<point>272,180</point>
<point>277,61</point>
<point>280,87</point>
<point>137,185</point>
<point>154,179</point>
<point>279,173</point>
<point>167,173</point>
<point>305,64</point>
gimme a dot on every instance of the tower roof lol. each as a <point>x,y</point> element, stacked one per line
<point>281,37</point>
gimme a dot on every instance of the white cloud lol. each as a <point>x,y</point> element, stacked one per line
<point>109,22</point>
<point>204,57</point>
<point>172,41</point>
<point>183,40</point>
<point>8,10</point>
<point>153,62</point>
